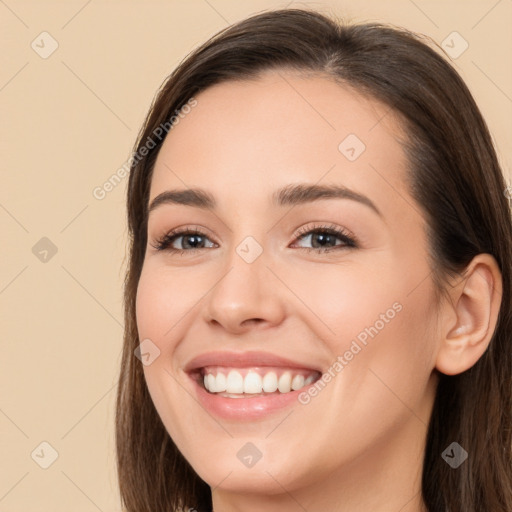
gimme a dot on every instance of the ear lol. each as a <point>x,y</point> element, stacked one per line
<point>470,320</point>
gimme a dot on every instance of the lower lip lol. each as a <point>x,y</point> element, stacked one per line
<point>250,408</point>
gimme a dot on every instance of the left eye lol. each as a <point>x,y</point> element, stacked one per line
<point>321,239</point>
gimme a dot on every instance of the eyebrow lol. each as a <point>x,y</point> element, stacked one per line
<point>291,195</point>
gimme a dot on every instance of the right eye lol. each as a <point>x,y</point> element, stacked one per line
<point>192,240</point>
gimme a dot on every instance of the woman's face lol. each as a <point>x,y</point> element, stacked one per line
<point>263,297</point>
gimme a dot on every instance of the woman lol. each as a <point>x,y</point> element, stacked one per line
<point>319,285</point>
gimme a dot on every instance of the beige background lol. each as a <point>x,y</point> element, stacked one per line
<point>68,123</point>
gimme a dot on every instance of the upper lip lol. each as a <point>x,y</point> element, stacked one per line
<point>245,360</point>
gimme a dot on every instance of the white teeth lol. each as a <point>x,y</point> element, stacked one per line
<point>221,383</point>
<point>253,383</point>
<point>235,382</point>
<point>285,382</point>
<point>235,385</point>
<point>297,382</point>
<point>211,382</point>
<point>309,380</point>
<point>215,384</point>
<point>270,382</point>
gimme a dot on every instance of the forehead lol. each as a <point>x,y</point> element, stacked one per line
<point>246,138</point>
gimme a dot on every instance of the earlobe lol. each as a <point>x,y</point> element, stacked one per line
<point>470,320</point>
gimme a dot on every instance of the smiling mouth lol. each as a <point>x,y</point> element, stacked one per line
<point>253,381</point>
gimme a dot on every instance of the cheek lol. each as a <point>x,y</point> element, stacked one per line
<point>158,310</point>
<point>391,369</point>
<point>163,303</point>
<point>379,330</point>
<point>150,306</point>
<point>346,300</point>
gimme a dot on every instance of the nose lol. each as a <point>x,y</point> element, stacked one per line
<point>246,296</point>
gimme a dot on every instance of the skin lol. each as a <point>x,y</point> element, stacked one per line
<point>357,445</point>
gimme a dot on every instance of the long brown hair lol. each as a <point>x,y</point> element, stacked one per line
<point>454,176</point>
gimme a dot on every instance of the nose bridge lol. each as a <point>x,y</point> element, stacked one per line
<point>246,290</point>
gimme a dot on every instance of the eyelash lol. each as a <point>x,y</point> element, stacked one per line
<point>349,240</point>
